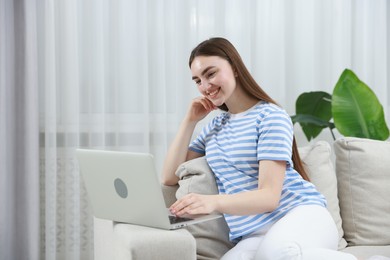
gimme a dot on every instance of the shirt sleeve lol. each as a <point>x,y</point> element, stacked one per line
<point>275,137</point>
<point>199,143</point>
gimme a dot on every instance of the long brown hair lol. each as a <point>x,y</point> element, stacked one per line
<point>223,48</point>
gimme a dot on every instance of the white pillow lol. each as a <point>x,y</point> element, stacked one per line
<point>319,166</point>
<point>363,174</point>
<point>212,237</point>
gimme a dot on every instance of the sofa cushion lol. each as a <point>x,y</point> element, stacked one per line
<point>317,160</point>
<point>365,252</point>
<point>140,242</point>
<point>212,237</point>
<point>363,174</point>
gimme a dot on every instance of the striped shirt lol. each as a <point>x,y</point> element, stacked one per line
<point>235,143</point>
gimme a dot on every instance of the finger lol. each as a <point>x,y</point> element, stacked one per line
<point>207,104</point>
<point>180,204</point>
<point>210,104</point>
<point>176,207</point>
<point>189,204</point>
<point>189,209</point>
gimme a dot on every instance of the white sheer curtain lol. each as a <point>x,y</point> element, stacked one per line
<point>114,75</point>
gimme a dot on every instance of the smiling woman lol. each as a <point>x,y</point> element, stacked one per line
<point>270,207</point>
<point>210,74</point>
<point>113,75</point>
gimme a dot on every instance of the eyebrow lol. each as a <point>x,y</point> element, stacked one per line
<point>204,71</point>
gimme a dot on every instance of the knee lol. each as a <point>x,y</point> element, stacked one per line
<point>288,251</point>
<point>282,251</point>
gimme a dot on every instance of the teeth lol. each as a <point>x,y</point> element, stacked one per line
<point>213,93</point>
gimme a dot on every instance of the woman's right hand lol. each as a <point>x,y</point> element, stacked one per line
<point>200,107</point>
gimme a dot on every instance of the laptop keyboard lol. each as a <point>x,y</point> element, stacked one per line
<point>174,219</point>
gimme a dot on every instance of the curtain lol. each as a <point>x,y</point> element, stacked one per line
<point>114,75</point>
<point>19,131</point>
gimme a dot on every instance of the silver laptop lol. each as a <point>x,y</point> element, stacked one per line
<point>124,187</point>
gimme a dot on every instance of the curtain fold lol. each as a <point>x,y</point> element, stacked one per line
<point>114,75</point>
<point>19,134</point>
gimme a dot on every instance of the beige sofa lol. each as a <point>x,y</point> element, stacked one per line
<point>357,190</point>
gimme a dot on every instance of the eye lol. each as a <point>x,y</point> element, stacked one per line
<point>197,82</point>
<point>211,74</point>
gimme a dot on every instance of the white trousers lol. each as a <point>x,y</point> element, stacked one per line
<point>307,232</point>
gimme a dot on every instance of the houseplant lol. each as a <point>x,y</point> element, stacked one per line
<point>353,109</point>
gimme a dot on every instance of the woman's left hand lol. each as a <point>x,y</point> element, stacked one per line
<point>194,204</point>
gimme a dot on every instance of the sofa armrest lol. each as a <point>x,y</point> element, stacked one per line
<point>103,239</point>
<point>138,242</point>
<point>137,238</point>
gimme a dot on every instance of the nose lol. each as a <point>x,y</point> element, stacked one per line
<point>205,85</point>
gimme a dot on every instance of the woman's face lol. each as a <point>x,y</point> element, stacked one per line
<point>214,77</point>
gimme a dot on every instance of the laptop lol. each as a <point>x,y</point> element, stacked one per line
<point>124,187</point>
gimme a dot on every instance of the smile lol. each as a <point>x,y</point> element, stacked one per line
<point>213,94</point>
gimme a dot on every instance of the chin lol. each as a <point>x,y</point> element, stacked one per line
<point>218,103</point>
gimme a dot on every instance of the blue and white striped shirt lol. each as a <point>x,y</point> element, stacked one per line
<point>235,143</point>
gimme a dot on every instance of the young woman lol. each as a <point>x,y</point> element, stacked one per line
<point>272,210</point>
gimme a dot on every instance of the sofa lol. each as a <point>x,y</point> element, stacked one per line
<point>354,177</point>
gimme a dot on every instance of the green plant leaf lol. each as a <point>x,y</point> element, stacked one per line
<point>356,110</point>
<point>316,104</point>
<point>309,119</point>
